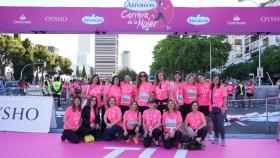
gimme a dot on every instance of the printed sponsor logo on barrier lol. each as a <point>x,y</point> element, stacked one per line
<point>93,19</point>
<point>140,5</point>
<point>270,19</point>
<point>236,20</point>
<point>22,20</point>
<point>198,19</point>
<point>56,19</point>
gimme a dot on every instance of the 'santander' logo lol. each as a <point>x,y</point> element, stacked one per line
<point>198,19</point>
<point>93,19</point>
<point>236,20</point>
<point>22,20</point>
<point>140,5</point>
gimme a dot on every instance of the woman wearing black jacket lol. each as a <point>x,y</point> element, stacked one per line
<point>90,117</point>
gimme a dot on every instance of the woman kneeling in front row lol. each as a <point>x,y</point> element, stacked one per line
<point>171,122</point>
<point>113,121</point>
<point>132,123</point>
<point>91,119</point>
<point>72,119</point>
<point>151,124</point>
<point>196,124</point>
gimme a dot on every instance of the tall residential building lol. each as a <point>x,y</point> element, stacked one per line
<point>251,44</point>
<point>125,59</point>
<point>236,54</point>
<point>106,54</point>
<point>85,56</point>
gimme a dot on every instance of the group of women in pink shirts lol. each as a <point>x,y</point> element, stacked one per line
<point>171,110</point>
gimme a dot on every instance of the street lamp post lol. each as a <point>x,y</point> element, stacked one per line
<point>44,63</point>
<point>260,43</point>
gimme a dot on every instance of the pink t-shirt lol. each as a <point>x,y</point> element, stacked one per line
<point>189,93</point>
<point>73,118</point>
<point>115,91</point>
<point>195,120</point>
<point>106,88</point>
<point>92,115</point>
<point>113,113</point>
<point>171,121</point>
<point>150,117</point>
<point>203,93</point>
<point>128,92</point>
<point>162,90</point>
<point>94,90</point>
<point>250,89</point>
<point>230,89</point>
<point>144,93</point>
<point>131,118</point>
<point>178,92</point>
<point>217,97</point>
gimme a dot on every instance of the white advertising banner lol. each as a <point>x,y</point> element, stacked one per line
<point>25,113</point>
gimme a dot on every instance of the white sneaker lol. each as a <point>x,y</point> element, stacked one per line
<point>210,136</point>
<point>60,109</point>
<point>216,141</point>
<point>223,142</point>
<point>226,124</point>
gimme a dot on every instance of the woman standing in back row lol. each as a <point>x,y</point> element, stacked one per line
<point>145,91</point>
<point>162,91</point>
<point>190,94</point>
<point>218,106</point>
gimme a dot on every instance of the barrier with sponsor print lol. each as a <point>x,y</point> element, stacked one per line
<point>26,114</point>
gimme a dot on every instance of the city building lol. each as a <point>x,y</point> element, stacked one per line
<point>125,59</point>
<point>106,54</point>
<point>85,56</point>
<point>237,54</point>
<point>251,44</point>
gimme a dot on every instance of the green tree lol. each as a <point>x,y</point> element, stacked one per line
<point>28,58</point>
<point>9,48</point>
<point>189,54</point>
<point>78,73</point>
<point>84,73</point>
<point>127,71</point>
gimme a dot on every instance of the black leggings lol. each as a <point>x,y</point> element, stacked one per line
<point>75,136</point>
<point>185,109</point>
<point>95,132</point>
<point>162,104</point>
<point>110,133</point>
<point>168,143</point>
<point>218,124</point>
<point>142,108</point>
<point>202,133</point>
<point>124,108</point>
<point>131,132</point>
<point>148,140</point>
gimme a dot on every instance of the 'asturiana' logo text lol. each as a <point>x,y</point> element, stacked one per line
<point>93,19</point>
<point>140,5</point>
<point>198,20</point>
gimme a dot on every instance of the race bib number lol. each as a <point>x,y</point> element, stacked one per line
<point>179,97</point>
<point>191,93</point>
<point>170,123</point>
<point>131,124</point>
<point>144,96</point>
<point>125,99</point>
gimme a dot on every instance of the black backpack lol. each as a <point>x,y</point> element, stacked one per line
<point>194,145</point>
